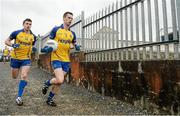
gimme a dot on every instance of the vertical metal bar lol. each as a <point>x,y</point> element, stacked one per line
<point>122,41</point>
<point>88,35</point>
<point>90,28</point>
<point>105,28</point>
<point>97,32</point>
<point>113,33</point>
<point>137,24</point>
<point>143,22</point>
<point>132,54</point>
<point>137,30</point>
<point>126,30</point>
<point>143,29</point>
<point>174,25</point>
<point>122,54</point>
<point>178,21</point>
<point>157,27</point>
<point>131,24</point>
<point>117,31</point>
<point>92,34</point>
<point>126,25</point>
<point>174,21</point>
<point>100,31</point>
<point>94,28</point>
<point>113,28</point>
<point>165,19</point>
<point>165,27</point>
<point>131,31</point>
<point>150,27</point>
<point>87,32</point>
<point>83,30</point>
<point>109,28</point>
<point>167,51</point>
<point>117,26</point>
<point>87,39</point>
<point>178,16</point>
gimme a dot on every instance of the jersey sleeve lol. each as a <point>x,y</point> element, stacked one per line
<point>53,33</point>
<point>13,35</point>
<point>74,38</point>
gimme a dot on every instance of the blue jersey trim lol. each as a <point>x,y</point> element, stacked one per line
<point>14,34</point>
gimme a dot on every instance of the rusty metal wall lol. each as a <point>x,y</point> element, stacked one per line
<point>157,81</point>
<point>44,63</point>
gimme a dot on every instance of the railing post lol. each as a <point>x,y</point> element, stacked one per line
<point>178,20</point>
<point>83,30</point>
<point>39,45</point>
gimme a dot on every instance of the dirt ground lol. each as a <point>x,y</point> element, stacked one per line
<point>71,99</point>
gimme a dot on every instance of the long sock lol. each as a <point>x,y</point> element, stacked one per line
<point>48,83</point>
<point>51,95</point>
<point>22,85</point>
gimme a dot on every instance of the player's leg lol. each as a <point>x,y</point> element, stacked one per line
<point>56,83</point>
<point>59,74</point>
<point>4,59</point>
<point>15,66</point>
<point>14,73</point>
<point>55,65</point>
<point>56,88</point>
<point>25,67</point>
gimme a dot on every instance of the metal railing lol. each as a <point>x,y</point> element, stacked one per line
<point>131,30</point>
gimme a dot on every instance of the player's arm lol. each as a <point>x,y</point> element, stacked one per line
<point>74,44</point>
<point>8,42</point>
<point>10,38</point>
<point>34,49</point>
<point>52,35</point>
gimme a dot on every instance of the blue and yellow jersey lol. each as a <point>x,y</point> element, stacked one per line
<point>64,38</point>
<point>6,52</point>
<point>26,41</point>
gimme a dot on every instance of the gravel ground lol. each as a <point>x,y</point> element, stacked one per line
<point>71,99</point>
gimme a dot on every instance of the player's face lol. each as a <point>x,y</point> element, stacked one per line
<point>27,25</point>
<point>68,19</point>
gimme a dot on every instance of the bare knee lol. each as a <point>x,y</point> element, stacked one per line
<point>24,76</point>
<point>59,81</point>
<point>14,73</point>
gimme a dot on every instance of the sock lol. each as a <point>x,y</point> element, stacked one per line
<point>51,95</point>
<point>48,82</point>
<point>22,85</point>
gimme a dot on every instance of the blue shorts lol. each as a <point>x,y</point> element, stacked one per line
<point>59,64</point>
<point>15,63</point>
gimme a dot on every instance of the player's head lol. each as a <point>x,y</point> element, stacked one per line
<point>67,18</point>
<point>6,47</point>
<point>27,23</point>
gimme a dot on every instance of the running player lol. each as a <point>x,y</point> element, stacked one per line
<point>60,58</point>
<point>23,43</point>
<point>5,54</point>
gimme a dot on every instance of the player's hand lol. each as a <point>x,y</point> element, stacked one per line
<point>15,45</point>
<point>34,49</point>
<point>46,49</point>
<point>77,47</point>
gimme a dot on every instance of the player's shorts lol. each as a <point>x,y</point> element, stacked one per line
<point>59,64</point>
<point>15,63</point>
<point>5,57</point>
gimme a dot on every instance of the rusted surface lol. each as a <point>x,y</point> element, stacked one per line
<point>157,80</point>
<point>44,62</point>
